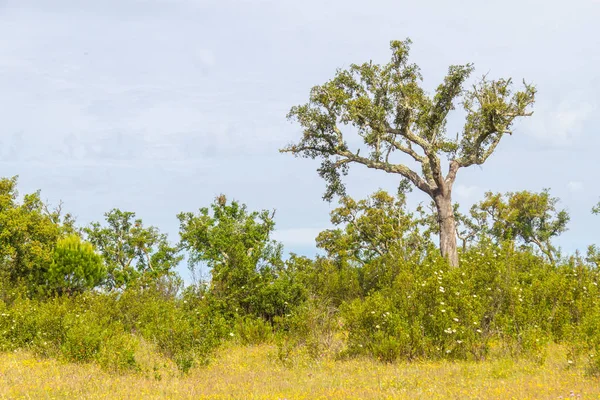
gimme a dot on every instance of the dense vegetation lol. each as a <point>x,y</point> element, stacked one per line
<point>381,287</point>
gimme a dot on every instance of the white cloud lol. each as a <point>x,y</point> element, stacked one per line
<point>575,186</point>
<point>466,192</point>
<point>297,236</point>
<point>560,124</point>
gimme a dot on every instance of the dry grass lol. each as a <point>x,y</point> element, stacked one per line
<point>254,373</point>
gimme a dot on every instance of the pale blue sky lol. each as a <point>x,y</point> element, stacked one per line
<point>157,106</point>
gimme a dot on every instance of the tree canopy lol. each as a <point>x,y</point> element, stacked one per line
<point>532,218</point>
<point>130,250</point>
<point>390,112</point>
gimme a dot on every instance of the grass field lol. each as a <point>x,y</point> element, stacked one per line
<point>255,373</point>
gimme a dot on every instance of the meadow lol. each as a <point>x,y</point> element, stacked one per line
<point>253,372</point>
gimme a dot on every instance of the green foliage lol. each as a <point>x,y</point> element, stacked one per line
<point>529,217</point>
<point>75,266</point>
<point>252,331</point>
<point>75,329</point>
<point>27,237</point>
<point>373,232</point>
<point>593,253</point>
<point>248,274</point>
<point>392,114</point>
<point>309,329</point>
<point>381,289</point>
<point>185,334</point>
<point>591,341</point>
<point>498,297</point>
<point>106,328</point>
<point>335,280</point>
<point>372,228</point>
<point>131,251</point>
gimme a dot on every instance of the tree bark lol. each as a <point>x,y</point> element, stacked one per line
<point>448,246</point>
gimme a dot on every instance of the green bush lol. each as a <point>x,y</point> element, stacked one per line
<point>310,328</point>
<point>104,327</point>
<point>75,266</point>
<point>252,331</point>
<point>499,298</point>
<point>186,335</point>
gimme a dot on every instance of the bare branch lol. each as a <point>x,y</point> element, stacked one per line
<point>391,168</point>
<point>409,135</point>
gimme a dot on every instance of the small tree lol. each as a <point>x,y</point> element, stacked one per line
<point>130,250</point>
<point>27,237</point>
<point>372,228</point>
<point>246,264</point>
<point>375,239</point>
<point>593,253</point>
<point>391,114</point>
<point>530,217</point>
<point>75,267</point>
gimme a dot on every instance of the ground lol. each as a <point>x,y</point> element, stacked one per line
<point>256,373</point>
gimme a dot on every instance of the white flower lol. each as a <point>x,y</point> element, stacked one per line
<point>455,319</point>
<point>459,341</point>
<point>442,289</point>
<point>479,330</point>
<point>231,334</point>
<point>377,326</point>
<point>443,310</point>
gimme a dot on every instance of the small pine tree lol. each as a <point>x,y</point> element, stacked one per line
<point>75,268</point>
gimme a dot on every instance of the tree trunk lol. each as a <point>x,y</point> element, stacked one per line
<point>448,247</point>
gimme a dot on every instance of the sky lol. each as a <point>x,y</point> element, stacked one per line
<point>158,106</point>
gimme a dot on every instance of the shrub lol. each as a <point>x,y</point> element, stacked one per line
<point>104,327</point>
<point>252,331</point>
<point>498,295</point>
<point>311,327</point>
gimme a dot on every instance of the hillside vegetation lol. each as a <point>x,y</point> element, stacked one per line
<point>380,292</point>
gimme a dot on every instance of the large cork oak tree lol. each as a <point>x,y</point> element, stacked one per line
<point>394,117</point>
